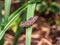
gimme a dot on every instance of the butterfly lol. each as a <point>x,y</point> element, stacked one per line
<point>30,21</point>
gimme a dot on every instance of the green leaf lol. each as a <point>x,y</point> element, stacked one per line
<point>0,15</point>
<point>17,11</point>
<point>7,9</point>
<point>20,29</point>
<point>17,34</point>
<point>54,3</point>
<point>40,8</point>
<point>54,7</point>
<point>2,40</point>
<point>14,25</point>
<point>12,20</point>
<point>30,13</point>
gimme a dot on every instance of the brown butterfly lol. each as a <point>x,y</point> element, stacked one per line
<point>30,21</point>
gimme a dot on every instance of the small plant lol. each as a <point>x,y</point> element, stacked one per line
<point>28,9</point>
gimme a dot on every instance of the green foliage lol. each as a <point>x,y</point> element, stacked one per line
<point>12,21</point>
<point>54,7</point>
<point>40,8</point>
<point>2,40</point>
<point>47,7</point>
<point>0,16</point>
<point>17,34</point>
<point>14,25</point>
<point>30,13</point>
<point>7,9</point>
<point>44,6</point>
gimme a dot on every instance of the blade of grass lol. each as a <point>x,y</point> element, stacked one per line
<point>0,15</point>
<point>7,9</point>
<point>12,20</point>
<point>30,13</point>
<point>19,30</point>
<point>14,25</point>
<point>13,14</point>
<point>2,40</point>
<point>18,10</point>
<point>18,33</point>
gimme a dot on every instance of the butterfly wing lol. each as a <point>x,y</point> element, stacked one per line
<point>29,22</point>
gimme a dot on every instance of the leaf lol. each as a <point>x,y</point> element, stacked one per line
<point>30,13</point>
<point>0,15</point>
<point>54,7</point>
<point>17,34</point>
<point>17,11</point>
<point>2,40</point>
<point>7,9</point>
<point>12,20</point>
<point>14,25</point>
<point>40,8</point>
<point>19,30</point>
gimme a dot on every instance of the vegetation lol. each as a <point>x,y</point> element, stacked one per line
<point>23,13</point>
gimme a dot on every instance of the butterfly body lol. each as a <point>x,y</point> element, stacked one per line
<point>30,21</point>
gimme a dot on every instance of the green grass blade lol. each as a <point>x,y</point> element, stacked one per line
<point>15,24</point>
<point>19,30</point>
<point>11,21</point>
<point>18,33</point>
<point>7,9</point>
<point>30,13</point>
<point>17,11</point>
<point>0,15</point>
<point>2,40</point>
